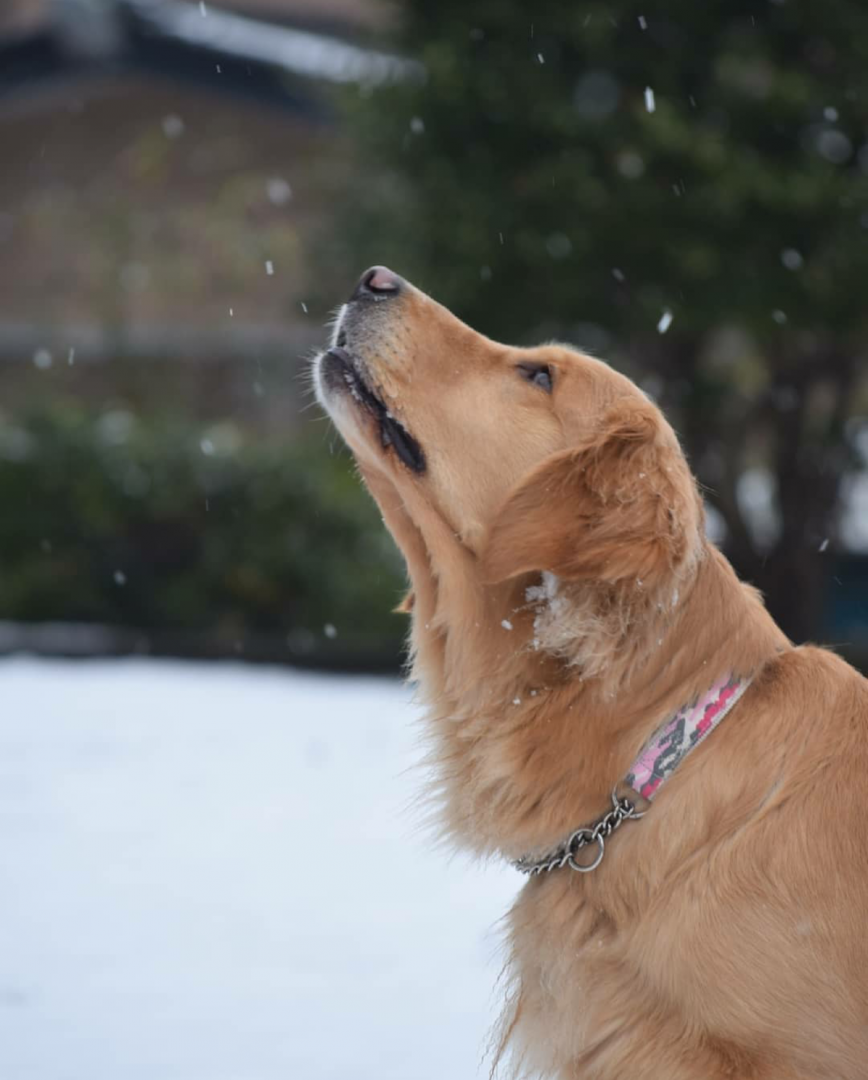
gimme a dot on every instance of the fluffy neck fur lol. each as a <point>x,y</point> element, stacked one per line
<point>576,677</point>
<point>527,742</point>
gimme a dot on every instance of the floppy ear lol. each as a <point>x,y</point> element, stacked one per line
<point>623,505</point>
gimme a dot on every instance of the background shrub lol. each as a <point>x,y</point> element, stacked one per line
<point>162,524</point>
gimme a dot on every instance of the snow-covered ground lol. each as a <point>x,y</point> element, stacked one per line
<point>212,872</point>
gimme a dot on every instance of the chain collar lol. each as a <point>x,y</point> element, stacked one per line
<point>660,756</point>
<point>623,809</point>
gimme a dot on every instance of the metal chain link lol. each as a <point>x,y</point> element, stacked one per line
<point>623,809</point>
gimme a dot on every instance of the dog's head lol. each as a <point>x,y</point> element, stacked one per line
<point>541,459</point>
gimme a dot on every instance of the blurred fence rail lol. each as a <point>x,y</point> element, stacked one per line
<point>47,345</point>
<point>67,640</point>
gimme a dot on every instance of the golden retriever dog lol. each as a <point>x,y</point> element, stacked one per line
<point>566,606</point>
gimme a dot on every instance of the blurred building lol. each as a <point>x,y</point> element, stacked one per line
<point>169,172</point>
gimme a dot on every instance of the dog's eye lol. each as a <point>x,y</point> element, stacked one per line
<point>538,374</point>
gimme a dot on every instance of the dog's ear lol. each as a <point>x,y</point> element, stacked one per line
<point>622,505</point>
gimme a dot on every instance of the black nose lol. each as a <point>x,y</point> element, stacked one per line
<point>378,283</point>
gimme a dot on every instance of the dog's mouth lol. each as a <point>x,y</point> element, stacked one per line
<point>340,368</point>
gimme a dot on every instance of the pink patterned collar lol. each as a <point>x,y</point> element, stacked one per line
<point>657,761</point>
<point>672,741</point>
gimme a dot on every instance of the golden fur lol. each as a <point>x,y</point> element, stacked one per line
<point>724,935</point>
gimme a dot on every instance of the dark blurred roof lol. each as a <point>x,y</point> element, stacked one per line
<point>23,15</point>
<point>273,50</point>
<point>363,15</point>
<point>292,50</point>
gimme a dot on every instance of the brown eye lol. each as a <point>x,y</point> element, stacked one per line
<point>538,374</point>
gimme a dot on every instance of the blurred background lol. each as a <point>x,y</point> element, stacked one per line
<point>187,191</point>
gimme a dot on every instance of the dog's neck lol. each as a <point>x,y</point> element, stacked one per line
<point>541,692</point>
<point>528,742</point>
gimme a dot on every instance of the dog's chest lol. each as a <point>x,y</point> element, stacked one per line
<point>571,971</point>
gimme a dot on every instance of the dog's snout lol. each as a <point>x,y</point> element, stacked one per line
<point>378,283</point>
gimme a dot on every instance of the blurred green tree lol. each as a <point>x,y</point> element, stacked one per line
<point>681,187</point>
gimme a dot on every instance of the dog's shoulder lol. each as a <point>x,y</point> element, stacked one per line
<point>817,702</point>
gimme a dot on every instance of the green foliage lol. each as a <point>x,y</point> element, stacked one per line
<point>529,166</point>
<point>581,170</point>
<point>156,524</point>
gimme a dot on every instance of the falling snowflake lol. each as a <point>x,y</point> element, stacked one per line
<point>650,103</point>
<point>173,126</point>
<point>665,322</point>
<point>278,190</point>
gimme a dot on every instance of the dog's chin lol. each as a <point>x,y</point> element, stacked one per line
<point>339,380</point>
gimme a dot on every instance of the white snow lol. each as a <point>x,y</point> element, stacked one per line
<point>650,103</point>
<point>173,126</point>
<point>278,190</point>
<point>552,609</point>
<point>506,624</point>
<point>665,322</point>
<point>211,872</point>
<point>792,259</point>
<point>546,591</point>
